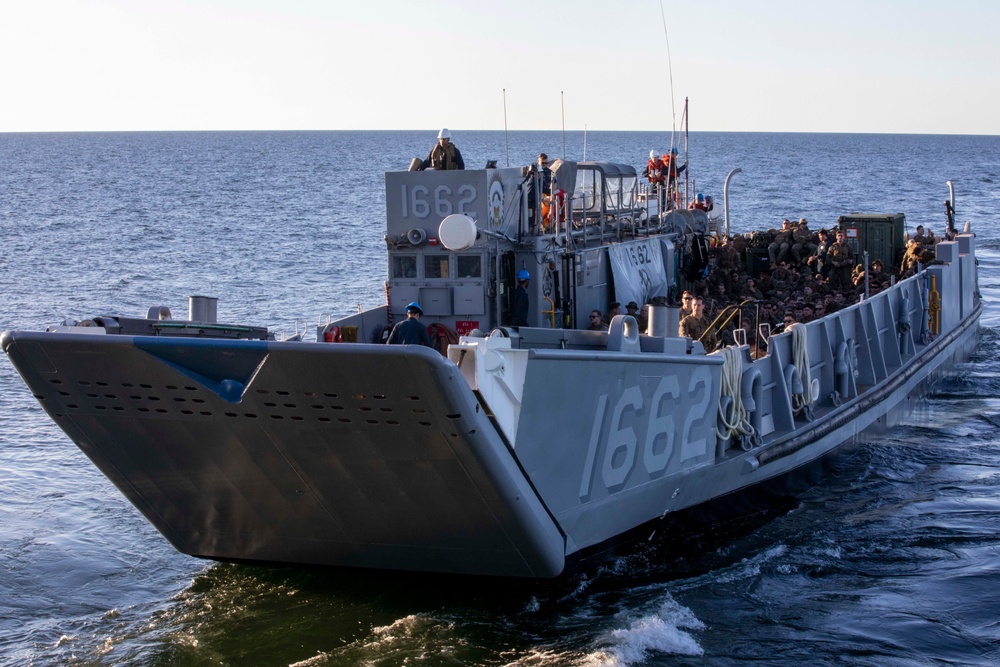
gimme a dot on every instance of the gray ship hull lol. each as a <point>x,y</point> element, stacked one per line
<point>507,454</point>
<point>506,458</point>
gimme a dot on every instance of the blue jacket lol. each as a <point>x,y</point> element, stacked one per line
<point>409,332</point>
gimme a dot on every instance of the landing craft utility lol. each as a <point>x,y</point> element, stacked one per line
<point>502,450</point>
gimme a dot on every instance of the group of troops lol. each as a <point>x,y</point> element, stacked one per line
<point>809,275</point>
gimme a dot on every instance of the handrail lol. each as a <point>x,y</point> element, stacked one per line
<point>731,309</point>
<point>551,313</point>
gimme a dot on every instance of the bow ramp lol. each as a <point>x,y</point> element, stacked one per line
<point>358,455</point>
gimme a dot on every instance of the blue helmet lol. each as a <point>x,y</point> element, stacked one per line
<point>523,275</point>
<point>700,197</point>
<point>673,151</point>
<point>413,305</point>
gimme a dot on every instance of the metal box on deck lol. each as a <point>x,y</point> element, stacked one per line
<point>881,234</point>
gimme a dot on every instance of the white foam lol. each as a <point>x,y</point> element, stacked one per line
<point>660,632</point>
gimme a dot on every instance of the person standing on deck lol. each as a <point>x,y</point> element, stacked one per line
<point>410,331</point>
<point>841,259</point>
<point>672,172</point>
<point>521,303</point>
<point>445,155</point>
<point>695,326</point>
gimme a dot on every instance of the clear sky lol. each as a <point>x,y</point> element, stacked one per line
<point>908,66</point>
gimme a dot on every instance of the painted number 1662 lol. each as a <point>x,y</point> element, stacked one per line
<point>647,433</point>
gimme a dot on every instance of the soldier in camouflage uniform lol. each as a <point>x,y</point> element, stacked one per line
<point>695,326</point>
<point>781,245</point>
<point>802,246</point>
<point>841,259</point>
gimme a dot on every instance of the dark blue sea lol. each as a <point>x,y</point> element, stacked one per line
<point>893,559</point>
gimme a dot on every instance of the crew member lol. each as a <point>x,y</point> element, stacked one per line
<point>654,171</point>
<point>410,331</point>
<point>699,203</point>
<point>672,172</point>
<point>519,307</point>
<point>817,261</point>
<point>657,178</point>
<point>546,179</point>
<point>445,155</point>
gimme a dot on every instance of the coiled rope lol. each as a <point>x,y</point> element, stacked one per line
<point>800,358</point>
<point>734,420</point>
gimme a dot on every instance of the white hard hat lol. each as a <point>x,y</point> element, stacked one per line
<point>444,133</point>
<point>652,155</point>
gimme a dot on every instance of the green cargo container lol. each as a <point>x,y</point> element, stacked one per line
<point>881,234</point>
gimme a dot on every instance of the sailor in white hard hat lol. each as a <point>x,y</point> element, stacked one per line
<point>445,155</point>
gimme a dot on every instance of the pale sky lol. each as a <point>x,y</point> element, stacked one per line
<point>892,66</point>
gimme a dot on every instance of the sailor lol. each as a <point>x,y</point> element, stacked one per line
<point>841,259</point>
<point>543,169</point>
<point>520,304</point>
<point>657,178</point>
<point>445,155</point>
<point>672,172</point>
<point>695,326</point>
<point>654,170</point>
<point>817,261</point>
<point>546,177</point>
<point>920,237</point>
<point>699,203</point>
<point>410,331</point>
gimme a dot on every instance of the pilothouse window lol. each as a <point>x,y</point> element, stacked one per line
<point>470,266</point>
<point>436,266</point>
<point>404,266</point>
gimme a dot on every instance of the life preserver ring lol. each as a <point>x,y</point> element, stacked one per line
<point>333,335</point>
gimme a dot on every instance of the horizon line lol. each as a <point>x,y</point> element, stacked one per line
<point>435,129</point>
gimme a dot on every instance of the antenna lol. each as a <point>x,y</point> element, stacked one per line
<point>562,101</point>
<point>506,143</point>
<point>670,70</point>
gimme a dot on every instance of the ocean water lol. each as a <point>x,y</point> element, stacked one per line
<point>893,559</point>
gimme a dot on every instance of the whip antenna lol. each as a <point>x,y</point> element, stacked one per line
<point>506,144</point>
<point>670,71</point>
<point>562,101</point>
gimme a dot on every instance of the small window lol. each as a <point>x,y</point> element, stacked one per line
<point>404,266</point>
<point>436,266</point>
<point>470,266</point>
